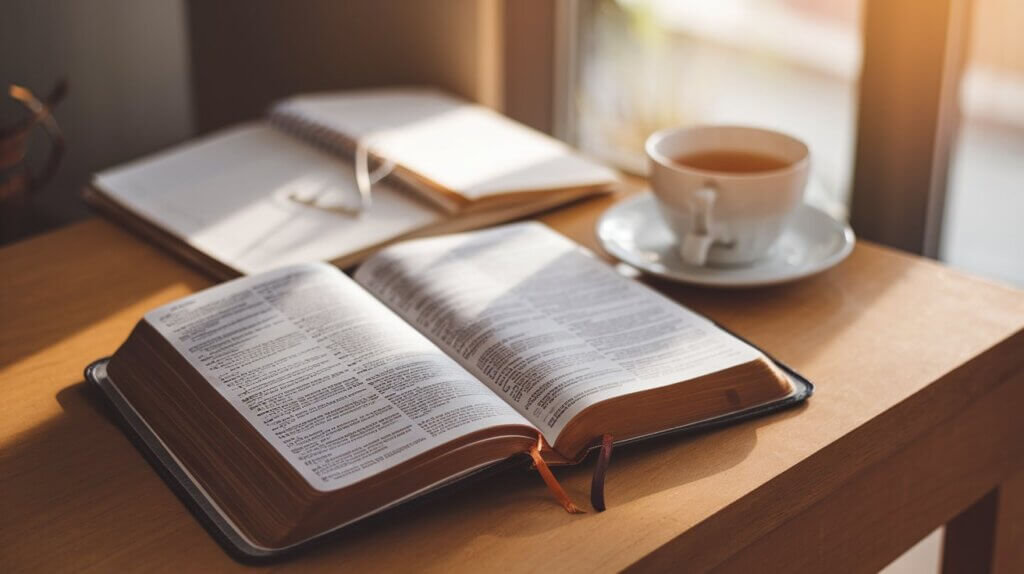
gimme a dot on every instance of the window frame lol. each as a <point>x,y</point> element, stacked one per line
<point>910,79</point>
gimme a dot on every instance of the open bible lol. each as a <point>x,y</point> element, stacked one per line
<point>300,400</point>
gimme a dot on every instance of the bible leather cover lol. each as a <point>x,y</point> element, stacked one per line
<point>240,548</point>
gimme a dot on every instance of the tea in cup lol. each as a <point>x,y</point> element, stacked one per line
<point>726,192</point>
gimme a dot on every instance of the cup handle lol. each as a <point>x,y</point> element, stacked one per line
<point>694,247</point>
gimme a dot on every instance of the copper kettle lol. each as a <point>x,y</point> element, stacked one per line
<point>17,181</point>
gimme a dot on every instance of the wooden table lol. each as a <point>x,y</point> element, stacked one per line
<point>916,422</point>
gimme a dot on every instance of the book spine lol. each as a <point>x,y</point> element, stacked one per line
<point>290,121</point>
<point>325,138</point>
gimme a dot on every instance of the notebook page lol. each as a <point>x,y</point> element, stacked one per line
<point>549,327</point>
<point>337,383</point>
<point>466,148</point>
<point>227,195</point>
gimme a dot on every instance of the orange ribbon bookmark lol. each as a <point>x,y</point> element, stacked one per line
<point>549,479</point>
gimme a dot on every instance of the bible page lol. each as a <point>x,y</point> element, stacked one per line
<point>549,327</point>
<point>336,382</point>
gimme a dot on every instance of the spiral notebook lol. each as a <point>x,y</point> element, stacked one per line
<point>264,194</point>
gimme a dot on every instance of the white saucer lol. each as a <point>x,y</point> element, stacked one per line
<point>634,232</point>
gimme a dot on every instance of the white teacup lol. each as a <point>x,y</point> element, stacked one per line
<point>727,211</point>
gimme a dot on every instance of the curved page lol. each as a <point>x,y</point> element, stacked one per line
<point>340,385</point>
<point>550,328</point>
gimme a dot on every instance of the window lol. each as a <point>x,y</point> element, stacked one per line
<point>790,65</point>
<point>982,230</point>
<point>798,66</point>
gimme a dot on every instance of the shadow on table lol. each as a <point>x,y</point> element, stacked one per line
<point>74,492</point>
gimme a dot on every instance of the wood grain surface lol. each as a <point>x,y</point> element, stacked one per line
<point>919,374</point>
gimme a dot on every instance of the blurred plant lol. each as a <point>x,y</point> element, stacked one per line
<point>629,94</point>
